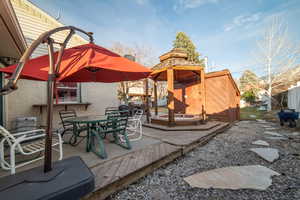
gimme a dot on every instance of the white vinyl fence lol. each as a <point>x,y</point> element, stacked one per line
<point>294,97</point>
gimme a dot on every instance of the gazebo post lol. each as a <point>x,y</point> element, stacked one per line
<point>147,100</point>
<point>170,82</point>
<point>155,97</point>
<point>203,93</point>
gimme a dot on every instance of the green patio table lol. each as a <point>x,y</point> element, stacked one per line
<point>92,122</point>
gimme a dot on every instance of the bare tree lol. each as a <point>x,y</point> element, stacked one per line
<point>277,54</point>
<point>143,55</point>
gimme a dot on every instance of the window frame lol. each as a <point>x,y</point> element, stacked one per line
<point>78,93</point>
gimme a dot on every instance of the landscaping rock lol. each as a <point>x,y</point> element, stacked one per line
<point>268,154</point>
<point>261,142</point>
<point>159,194</point>
<point>273,133</point>
<point>238,177</point>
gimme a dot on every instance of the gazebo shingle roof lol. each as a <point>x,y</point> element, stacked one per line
<point>176,56</point>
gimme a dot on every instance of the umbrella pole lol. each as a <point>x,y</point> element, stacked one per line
<point>50,91</point>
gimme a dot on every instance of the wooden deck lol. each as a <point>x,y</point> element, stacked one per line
<point>117,173</point>
<point>207,126</point>
<point>182,138</point>
<point>124,167</point>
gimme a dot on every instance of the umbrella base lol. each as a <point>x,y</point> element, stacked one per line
<point>69,179</point>
<point>36,176</point>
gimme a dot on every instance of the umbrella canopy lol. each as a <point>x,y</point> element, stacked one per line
<point>84,63</point>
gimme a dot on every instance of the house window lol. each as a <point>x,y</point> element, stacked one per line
<point>68,93</point>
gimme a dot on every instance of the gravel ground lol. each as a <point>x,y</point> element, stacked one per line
<point>230,148</point>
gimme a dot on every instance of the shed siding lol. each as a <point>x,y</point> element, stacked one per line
<point>222,99</point>
<point>233,102</point>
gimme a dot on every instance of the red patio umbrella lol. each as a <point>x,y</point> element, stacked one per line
<point>84,63</point>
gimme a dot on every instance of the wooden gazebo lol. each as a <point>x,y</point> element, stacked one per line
<point>186,88</point>
<point>194,95</point>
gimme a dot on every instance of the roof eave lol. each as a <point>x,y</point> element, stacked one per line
<point>12,27</point>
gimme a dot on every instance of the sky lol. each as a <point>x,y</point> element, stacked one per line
<point>224,31</point>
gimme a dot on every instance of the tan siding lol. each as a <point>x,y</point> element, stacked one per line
<point>32,24</point>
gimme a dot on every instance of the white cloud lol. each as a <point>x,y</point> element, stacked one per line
<point>242,20</point>
<point>188,4</point>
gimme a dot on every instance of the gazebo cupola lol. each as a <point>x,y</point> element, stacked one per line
<point>185,83</point>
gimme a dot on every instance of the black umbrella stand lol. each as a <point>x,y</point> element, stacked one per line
<point>66,179</point>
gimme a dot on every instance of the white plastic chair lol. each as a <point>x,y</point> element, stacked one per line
<point>25,143</point>
<point>134,126</point>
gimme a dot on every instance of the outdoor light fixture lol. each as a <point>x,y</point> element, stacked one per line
<point>92,69</point>
<point>129,57</point>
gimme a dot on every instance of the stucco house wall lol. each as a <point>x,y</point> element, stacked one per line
<point>34,21</point>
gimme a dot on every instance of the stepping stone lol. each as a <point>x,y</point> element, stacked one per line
<point>237,177</point>
<point>275,138</point>
<point>270,128</point>
<point>295,133</point>
<point>273,133</point>
<point>261,142</point>
<point>261,121</point>
<point>266,126</point>
<point>268,154</point>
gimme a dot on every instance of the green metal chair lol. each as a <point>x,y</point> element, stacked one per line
<point>76,130</point>
<point>116,125</point>
<point>112,113</point>
<point>111,109</point>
